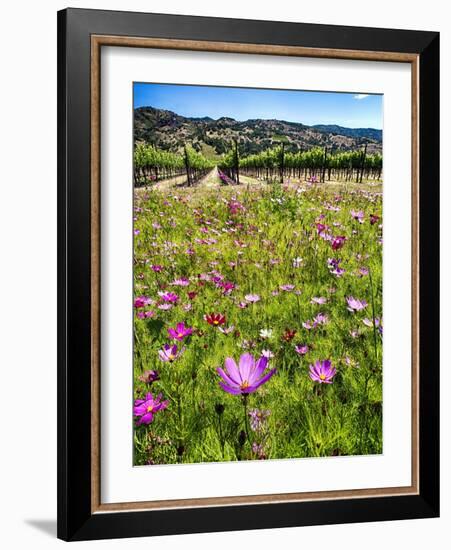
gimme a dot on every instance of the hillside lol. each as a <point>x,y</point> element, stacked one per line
<point>170,131</point>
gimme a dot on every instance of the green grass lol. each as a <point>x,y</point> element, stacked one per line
<point>306,419</point>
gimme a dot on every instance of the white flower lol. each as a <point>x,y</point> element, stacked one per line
<point>265,333</point>
<point>297,262</point>
<point>267,353</point>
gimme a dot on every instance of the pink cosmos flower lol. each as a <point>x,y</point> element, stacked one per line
<point>302,349</point>
<point>322,372</point>
<point>170,353</point>
<point>227,330</point>
<point>287,288</point>
<point>320,228</point>
<point>355,305</point>
<point>258,419</point>
<point>145,314</point>
<point>318,300</point>
<point>334,267</point>
<point>179,332</point>
<point>246,377</point>
<point>149,376</point>
<point>358,215</point>
<point>146,408</point>
<point>168,297</point>
<point>227,286</point>
<point>321,319</point>
<point>183,281</point>
<point>165,307</point>
<point>252,298</point>
<point>142,301</point>
<point>338,242</point>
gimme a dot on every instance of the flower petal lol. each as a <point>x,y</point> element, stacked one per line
<point>232,370</point>
<point>229,390</point>
<point>258,369</point>
<point>263,380</point>
<point>227,379</point>
<point>246,365</point>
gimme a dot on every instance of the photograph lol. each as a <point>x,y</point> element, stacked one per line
<point>257,264</point>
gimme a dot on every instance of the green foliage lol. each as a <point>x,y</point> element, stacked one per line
<point>269,241</point>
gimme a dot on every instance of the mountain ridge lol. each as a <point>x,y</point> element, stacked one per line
<point>168,130</point>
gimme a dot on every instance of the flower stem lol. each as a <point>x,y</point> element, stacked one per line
<point>373,312</point>
<point>246,420</point>
<point>221,437</point>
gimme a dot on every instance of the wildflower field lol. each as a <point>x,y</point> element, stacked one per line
<point>257,320</point>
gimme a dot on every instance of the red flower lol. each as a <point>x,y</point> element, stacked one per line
<point>288,335</point>
<point>215,319</point>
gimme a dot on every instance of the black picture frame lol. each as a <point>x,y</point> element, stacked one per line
<point>76,521</point>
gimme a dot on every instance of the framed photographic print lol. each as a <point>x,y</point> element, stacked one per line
<point>248,274</point>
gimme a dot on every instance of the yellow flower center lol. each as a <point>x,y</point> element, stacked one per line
<point>171,357</point>
<point>180,334</point>
<point>244,385</point>
<point>322,376</point>
<point>216,322</point>
<point>150,408</point>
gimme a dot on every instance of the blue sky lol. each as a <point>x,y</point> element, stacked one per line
<point>353,110</point>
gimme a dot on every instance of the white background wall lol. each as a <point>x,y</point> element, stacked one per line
<point>28,272</point>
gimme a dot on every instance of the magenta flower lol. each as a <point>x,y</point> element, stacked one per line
<point>179,332</point>
<point>156,268</point>
<point>170,353</point>
<point>227,286</point>
<point>322,372</point>
<point>302,349</point>
<point>320,227</point>
<point>145,314</point>
<point>142,301</point>
<point>354,304</point>
<point>146,408</point>
<point>338,242</point>
<point>168,297</point>
<point>245,378</point>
